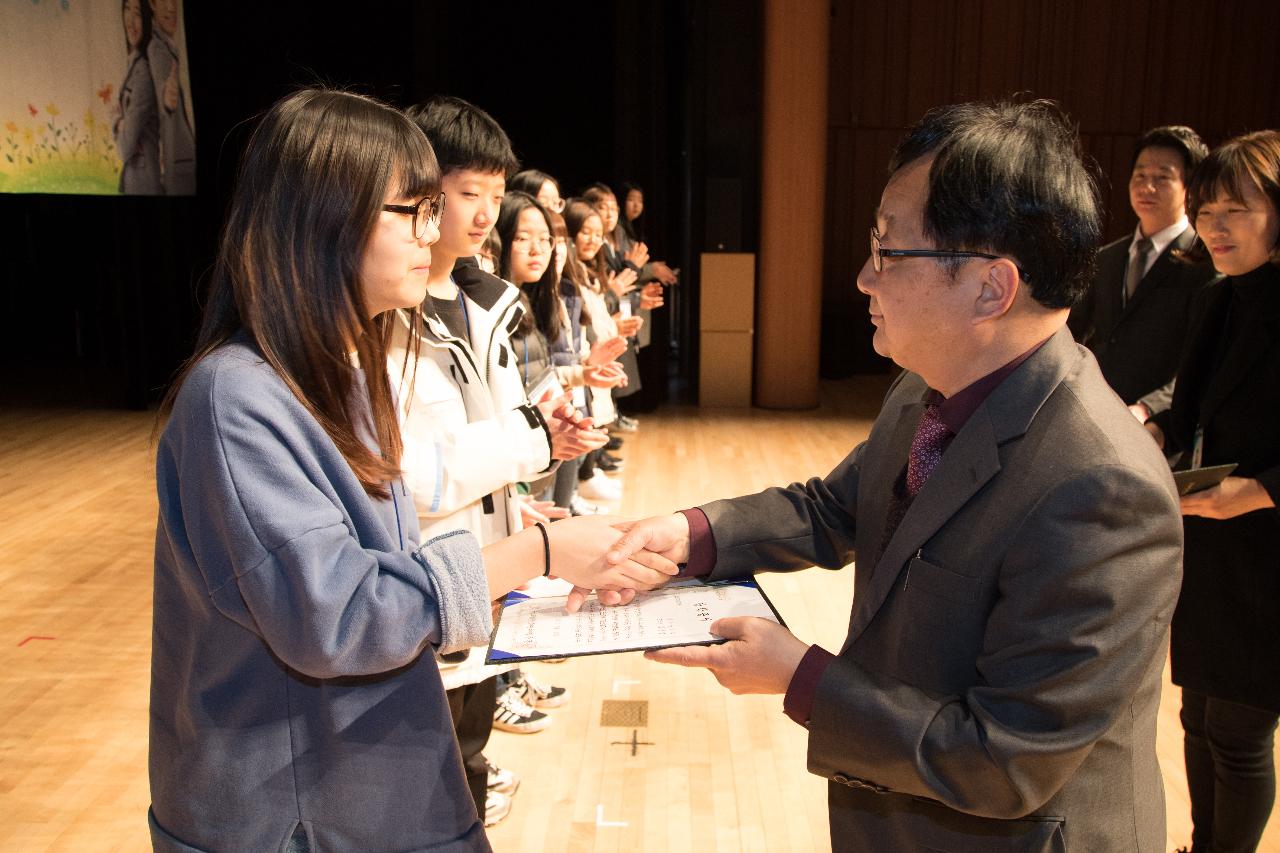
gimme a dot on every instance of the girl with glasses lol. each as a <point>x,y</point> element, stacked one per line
<point>295,702</point>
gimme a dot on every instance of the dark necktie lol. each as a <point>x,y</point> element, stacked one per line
<point>927,446</point>
<point>1137,266</point>
<point>926,449</point>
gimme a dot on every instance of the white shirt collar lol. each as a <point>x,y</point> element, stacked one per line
<point>1159,240</point>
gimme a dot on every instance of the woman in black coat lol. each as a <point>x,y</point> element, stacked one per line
<point>1226,409</point>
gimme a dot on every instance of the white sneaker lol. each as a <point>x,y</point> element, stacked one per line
<point>539,694</point>
<point>501,780</point>
<point>497,805</point>
<point>513,714</point>
<point>600,488</point>
<point>577,506</point>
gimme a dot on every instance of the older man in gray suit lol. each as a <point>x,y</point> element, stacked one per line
<point>1016,531</point>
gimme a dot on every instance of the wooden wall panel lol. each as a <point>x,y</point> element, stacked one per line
<point>1117,66</point>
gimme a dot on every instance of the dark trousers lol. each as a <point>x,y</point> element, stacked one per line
<point>588,467</point>
<point>566,483</point>
<point>472,708</point>
<point>1230,772</point>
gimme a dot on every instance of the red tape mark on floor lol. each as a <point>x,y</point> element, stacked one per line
<point>29,639</point>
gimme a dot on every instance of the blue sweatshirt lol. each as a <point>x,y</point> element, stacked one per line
<point>292,680</point>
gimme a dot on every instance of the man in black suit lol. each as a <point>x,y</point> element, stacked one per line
<point>1137,314</point>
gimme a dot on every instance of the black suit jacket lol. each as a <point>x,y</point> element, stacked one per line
<point>1225,642</point>
<point>999,685</point>
<point>1140,344</point>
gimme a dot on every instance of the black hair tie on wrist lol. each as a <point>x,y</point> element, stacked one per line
<point>546,548</point>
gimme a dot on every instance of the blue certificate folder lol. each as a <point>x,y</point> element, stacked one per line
<point>678,614</point>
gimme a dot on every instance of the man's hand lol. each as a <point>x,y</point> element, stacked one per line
<point>760,657</point>
<point>667,535</point>
<point>1140,411</point>
<point>1157,434</point>
<point>1233,496</point>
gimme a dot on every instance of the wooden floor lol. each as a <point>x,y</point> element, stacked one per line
<point>709,772</point>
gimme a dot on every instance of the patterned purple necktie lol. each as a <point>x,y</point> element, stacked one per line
<point>926,448</point>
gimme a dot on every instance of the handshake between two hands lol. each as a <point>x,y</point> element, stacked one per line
<point>618,558</point>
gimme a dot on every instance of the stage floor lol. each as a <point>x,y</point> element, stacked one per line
<point>708,772</point>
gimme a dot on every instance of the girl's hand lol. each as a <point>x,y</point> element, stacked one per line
<point>603,352</point>
<point>638,254</point>
<point>1233,496</point>
<point>628,326</point>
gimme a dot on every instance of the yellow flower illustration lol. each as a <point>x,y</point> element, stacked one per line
<point>88,118</point>
<point>11,127</point>
<point>51,109</point>
<point>27,136</point>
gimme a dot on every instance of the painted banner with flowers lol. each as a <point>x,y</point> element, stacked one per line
<point>95,98</point>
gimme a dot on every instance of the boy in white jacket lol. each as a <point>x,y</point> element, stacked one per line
<point>469,432</point>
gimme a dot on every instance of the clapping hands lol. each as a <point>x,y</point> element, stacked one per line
<point>571,434</point>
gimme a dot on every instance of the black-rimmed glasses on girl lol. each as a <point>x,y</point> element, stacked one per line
<point>421,218</point>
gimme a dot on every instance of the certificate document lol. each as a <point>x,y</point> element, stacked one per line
<point>679,614</point>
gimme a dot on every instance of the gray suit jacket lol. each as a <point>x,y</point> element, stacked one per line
<point>999,685</point>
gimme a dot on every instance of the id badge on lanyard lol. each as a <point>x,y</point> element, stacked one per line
<point>1197,448</point>
<point>580,397</point>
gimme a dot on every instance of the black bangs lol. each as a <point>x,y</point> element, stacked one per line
<point>416,166</point>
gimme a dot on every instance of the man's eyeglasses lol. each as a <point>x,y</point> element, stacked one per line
<point>421,218</point>
<point>879,253</point>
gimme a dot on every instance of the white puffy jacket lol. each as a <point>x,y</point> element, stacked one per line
<point>469,432</point>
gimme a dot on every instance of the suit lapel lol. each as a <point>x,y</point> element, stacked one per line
<point>972,459</point>
<point>967,465</point>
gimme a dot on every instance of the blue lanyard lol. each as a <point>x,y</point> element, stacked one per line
<point>466,319</point>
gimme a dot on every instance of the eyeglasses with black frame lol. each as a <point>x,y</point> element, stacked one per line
<point>879,253</point>
<point>421,218</point>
